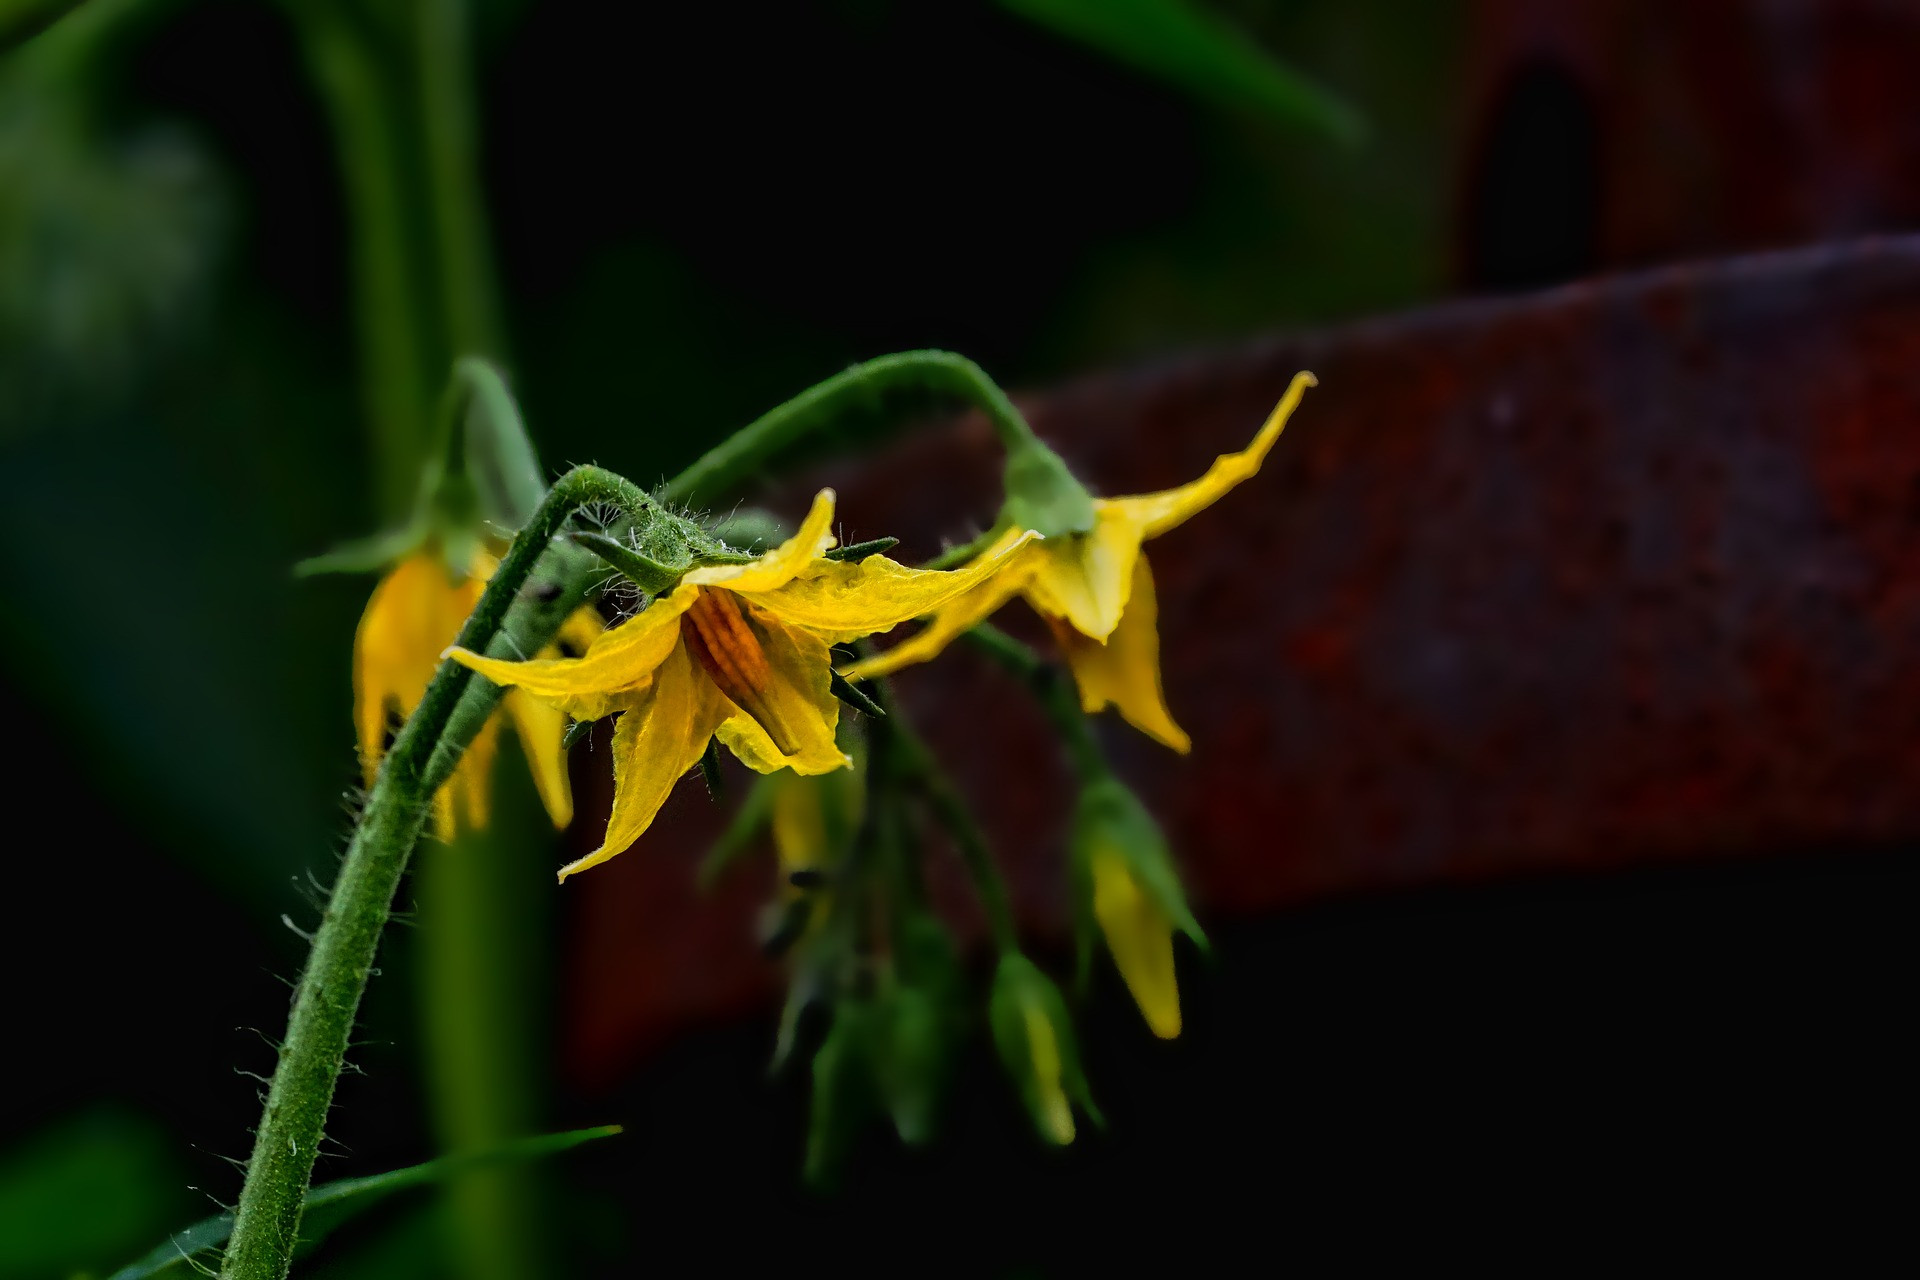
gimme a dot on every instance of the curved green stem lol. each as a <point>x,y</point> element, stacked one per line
<point>328,996</point>
<point>1055,692</point>
<point>748,451</point>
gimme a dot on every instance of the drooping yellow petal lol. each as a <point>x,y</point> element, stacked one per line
<point>777,685</point>
<point>613,674</point>
<point>954,618</point>
<point>1043,1049</point>
<point>799,823</point>
<point>1140,938</point>
<point>841,602</point>
<point>582,627</point>
<point>1125,671</point>
<point>655,742</point>
<point>779,566</point>
<point>414,613</point>
<point>542,728</point>
<point>1087,577</point>
<point>1158,512</point>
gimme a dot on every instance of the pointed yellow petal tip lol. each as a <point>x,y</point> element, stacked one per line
<point>1164,1019</point>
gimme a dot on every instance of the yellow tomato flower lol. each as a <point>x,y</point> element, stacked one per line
<point>1096,591</point>
<point>739,652</point>
<point>415,612</point>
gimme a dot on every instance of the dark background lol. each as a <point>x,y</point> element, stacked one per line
<point>700,210</point>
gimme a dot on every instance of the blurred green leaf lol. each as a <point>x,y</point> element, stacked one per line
<point>22,20</point>
<point>84,1191</point>
<point>333,1204</point>
<point>413,1247</point>
<point>108,238</point>
<point>1191,49</point>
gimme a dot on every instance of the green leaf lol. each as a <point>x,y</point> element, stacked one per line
<point>331,1205</point>
<point>21,20</point>
<point>1191,49</point>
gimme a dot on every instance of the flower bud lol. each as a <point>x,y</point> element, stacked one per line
<point>1129,887</point>
<point>842,1092</point>
<point>1035,1039</point>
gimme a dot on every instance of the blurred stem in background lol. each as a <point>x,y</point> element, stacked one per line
<point>399,89</point>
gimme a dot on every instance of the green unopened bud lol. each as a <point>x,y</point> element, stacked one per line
<point>914,1050</point>
<point>842,1092</point>
<point>1129,887</point>
<point>1042,493</point>
<point>1035,1040</point>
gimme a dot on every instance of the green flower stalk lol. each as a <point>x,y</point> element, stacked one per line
<point>327,998</point>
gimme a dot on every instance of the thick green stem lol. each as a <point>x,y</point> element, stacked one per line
<point>327,999</point>
<point>391,325</point>
<point>470,305</point>
<point>730,464</point>
<point>1055,692</point>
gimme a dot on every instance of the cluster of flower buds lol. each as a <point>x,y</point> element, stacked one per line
<point>765,654</point>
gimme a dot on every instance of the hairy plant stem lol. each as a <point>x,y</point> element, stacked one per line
<point>327,999</point>
<point>734,461</point>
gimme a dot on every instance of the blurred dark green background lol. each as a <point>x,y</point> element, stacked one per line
<point>698,211</point>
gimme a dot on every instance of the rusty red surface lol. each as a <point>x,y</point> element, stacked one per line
<point>1723,125</point>
<point>1620,572</point>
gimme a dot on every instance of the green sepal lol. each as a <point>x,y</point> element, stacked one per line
<point>1042,494</point>
<point>850,693</point>
<point>1018,985</point>
<point>854,553</point>
<point>784,924</point>
<point>650,575</point>
<point>710,771</point>
<point>806,989</point>
<point>1110,816</point>
<point>370,554</point>
<point>575,731</point>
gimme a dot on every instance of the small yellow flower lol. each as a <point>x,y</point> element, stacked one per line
<point>1096,591</point>
<point>414,613</point>
<point>738,652</point>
